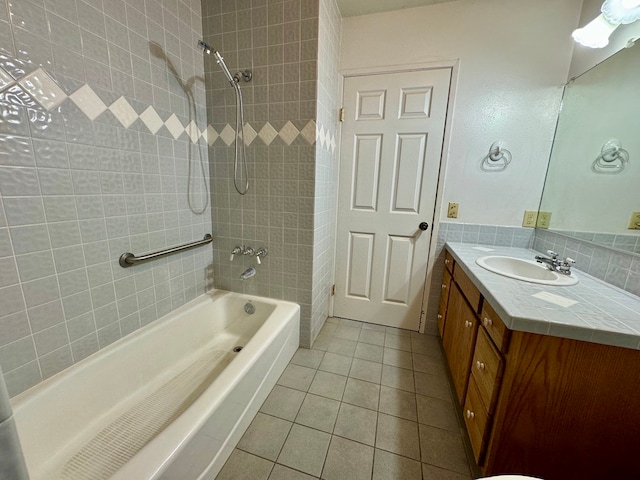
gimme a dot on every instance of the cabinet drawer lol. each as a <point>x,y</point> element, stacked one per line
<point>497,330</point>
<point>448,261</point>
<point>476,420</point>
<point>467,287</point>
<point>444,300</point>
<point>486,369</point>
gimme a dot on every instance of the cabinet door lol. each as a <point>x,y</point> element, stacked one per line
<point>444,300</point>
<point>459,337</point>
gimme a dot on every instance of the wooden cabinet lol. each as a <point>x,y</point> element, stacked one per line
<point>444,300</point>
<point>538,405</point>
<point>459,337</point>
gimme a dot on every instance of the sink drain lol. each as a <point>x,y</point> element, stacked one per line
<point>237,349</point>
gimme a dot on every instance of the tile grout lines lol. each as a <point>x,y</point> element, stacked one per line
<point>40,87</point>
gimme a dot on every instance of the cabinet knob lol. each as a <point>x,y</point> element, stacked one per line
<point>480,365</point>
<point>487,322</point>
<point>446,262</point>
<point>444,286</point>
<point>468,324</point>
<point>439,316</point>
<point>470,414</point>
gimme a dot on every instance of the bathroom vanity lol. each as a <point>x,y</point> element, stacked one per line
<point>546,377</point>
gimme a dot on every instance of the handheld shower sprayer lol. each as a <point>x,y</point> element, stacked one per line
<point>240,148</point>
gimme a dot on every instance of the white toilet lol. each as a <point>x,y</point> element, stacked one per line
<point>509,477</point>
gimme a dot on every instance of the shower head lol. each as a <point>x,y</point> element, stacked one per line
<point>208,50</point>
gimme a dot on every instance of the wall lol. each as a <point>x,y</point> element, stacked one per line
<point>513,63</point>
<point>278,41</point>
<point>95,160</point>
<point>326,176</point>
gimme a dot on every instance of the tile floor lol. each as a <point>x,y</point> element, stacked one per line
<point>367,402</point>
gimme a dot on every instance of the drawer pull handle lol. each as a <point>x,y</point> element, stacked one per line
<point>487,322</point>
<point>470,414</point>
<point>480,365</point>
<point>468,324</point>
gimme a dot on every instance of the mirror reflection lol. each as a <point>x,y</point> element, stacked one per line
<point>592,186</point>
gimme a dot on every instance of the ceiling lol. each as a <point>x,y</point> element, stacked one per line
<point>352,8</point>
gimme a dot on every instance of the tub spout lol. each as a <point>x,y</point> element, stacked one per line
<point>248,273</point>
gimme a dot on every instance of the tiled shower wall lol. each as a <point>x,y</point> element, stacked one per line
<point>278,41</point>
<point>98,156</point>
<point>326,179</point>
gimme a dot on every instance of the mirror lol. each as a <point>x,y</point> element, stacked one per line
<point>595,202</point>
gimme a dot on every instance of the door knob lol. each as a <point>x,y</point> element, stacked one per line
<point>423,226</point>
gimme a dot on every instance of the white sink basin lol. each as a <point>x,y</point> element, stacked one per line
<point>526,270</point>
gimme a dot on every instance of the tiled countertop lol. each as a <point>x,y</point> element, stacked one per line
<point>603,313</point>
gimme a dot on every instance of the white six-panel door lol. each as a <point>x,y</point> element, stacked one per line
<point>390,158</point>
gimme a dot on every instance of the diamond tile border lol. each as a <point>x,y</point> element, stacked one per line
<point>43,89</point>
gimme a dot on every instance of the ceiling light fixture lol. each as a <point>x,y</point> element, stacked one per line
<point>614,13</point>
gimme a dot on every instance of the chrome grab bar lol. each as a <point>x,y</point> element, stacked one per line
<point>129,259</point>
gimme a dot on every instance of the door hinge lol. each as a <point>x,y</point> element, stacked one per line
<point>422,314</point>
<point>341,114</point>
<point>333,289</point>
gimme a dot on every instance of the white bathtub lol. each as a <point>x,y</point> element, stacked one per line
<point>120,413</point>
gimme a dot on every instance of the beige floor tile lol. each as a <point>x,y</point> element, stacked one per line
<point>348,460</point>
<point>328,385</point>
<point>399,378</point>
<point>399,332</point>
<point>443,449</point>
<point>433,386</point>
<point>318,412</point>
<point>334,363</point>
<point>372,337</point>
<point>398,403</point>
<point>242,465</point>
<point>322,342</point>
<point>388,466</point>
<point>366,370</point>
<point>356,423</point>
<point>342,346</point>
<point>426,345</point>
<point>437,413</point>
<point>307,358</point>
<point>397,358</point>
<point>427,364</point>
<point>397,435</point>
<point>296,376</point>
<point>361,393</point>
<point>366,351</point>
<point>348,333</point>
<point>429,472</point>
<point>283,402</point>
<point>374,327</point>
<point>328,329</point>
<point>305,450</point>
<point>265,436</point>
<point>280,472</point>
<point>345,322</point>
<point>399,343</point>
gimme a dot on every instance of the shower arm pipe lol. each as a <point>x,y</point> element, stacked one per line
<point>129,259</point>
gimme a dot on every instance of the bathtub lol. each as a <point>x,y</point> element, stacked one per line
<point>168,402</point>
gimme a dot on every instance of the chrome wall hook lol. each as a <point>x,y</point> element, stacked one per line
<point>497,159</point>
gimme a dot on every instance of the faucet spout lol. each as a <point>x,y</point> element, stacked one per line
<point>248,273</point>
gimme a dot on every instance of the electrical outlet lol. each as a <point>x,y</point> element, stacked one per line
<point>530,218</point>
<point>544,220</point>
<point>452,211</point>
<point>634,223</point>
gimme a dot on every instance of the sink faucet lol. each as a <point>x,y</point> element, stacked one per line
<point>555,264</point>
<point>248,273</point>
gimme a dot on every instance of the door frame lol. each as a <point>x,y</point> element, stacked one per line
<point>454,65</point>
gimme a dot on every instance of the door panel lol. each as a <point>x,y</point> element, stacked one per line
<point>391,149</point>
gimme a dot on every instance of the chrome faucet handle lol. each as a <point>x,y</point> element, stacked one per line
<point>248,251</point>
<point>553,254</point>
<point>236,250</point>
<point>261,253</point>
